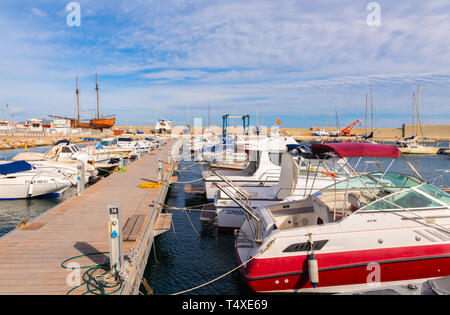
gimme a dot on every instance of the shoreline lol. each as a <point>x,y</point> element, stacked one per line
<point>18,142</point>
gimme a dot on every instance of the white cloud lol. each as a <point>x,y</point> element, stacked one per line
<point>302,57</point>
<point>38,12</point>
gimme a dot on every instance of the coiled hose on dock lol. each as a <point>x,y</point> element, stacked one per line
<point>96,284</point>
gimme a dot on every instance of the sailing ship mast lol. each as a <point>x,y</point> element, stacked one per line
<point>98,99</point>
<point>365,123</point>
<point>413,113</point>
<point>78,103</point>
<point>371,107</point>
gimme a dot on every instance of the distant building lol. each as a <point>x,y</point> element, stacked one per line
<point>34,125</point>
<point>163,126</point>
<point>61,126</point>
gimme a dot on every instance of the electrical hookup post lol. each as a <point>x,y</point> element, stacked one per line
<point>116,257</point>
<point>160,171</point>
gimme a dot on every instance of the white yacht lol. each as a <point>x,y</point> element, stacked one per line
<point>373,229</point>
<point>20,180</point>
<point>263,169</point>
<point>297,181</point>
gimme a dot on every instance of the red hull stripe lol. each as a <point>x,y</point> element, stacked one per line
<point>345,268</point>
<point>412,270</point>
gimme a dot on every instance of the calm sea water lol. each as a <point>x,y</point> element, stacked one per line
<point>185,259</point>
<point>181,258</point>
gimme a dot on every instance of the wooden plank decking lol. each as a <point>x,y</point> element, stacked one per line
<point>31,257</point>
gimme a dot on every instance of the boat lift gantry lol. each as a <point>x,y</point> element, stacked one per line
<point>245,120</point>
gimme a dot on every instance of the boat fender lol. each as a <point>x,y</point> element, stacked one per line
<point>313,269</point>
<point>30,190</point>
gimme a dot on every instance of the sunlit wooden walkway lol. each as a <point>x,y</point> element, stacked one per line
<point>30,257</point>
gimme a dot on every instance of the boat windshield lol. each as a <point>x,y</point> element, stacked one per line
<point>107,143</point>
<point>409,199</point>
<point>391,181</point>
<point>436,193</point>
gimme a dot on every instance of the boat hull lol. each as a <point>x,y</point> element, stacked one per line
<point>420,150</point>
<point>347,271</point>
<point>21,191</point>
<point>211,187</point>
<point>102,123</point>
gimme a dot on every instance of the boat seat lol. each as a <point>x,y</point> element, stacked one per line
<point>357,201</point>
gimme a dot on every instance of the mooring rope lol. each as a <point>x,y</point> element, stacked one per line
<point>192,224</point>
<point>216,279</point>
<point>191,181</point>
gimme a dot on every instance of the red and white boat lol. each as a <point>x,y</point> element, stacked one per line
<point>366,231</point>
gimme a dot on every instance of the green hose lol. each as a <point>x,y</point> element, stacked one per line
<point>94,285</point>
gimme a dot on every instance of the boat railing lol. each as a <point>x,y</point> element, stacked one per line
<point>439,180</point>
<point>238,190</point>
<point>243,199</point>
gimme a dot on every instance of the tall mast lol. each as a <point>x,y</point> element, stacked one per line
<point>98,100</point>
<point>337,121</point>
<point>413,112</point>
<point>209,115</point>
<point>418,102</point>
<point>78,104</point>
<point>365,123</point>
<point>371,107</point>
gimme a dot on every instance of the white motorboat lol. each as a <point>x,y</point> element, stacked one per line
<point>109,146</point>
<point>412,146</point>
<point>296,181</point>
<point>263,169</point>
<point>224,154</point>
<point>54,163</point>
<point>134,145</point>
<point>375,229</point>
<point>64,150</point>
<point>321,133</point>
<point>20,180</point>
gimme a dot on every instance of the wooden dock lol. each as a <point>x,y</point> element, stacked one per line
<point>31,256</point>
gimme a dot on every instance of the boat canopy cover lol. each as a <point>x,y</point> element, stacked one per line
<point>352,149</point>
<point>15,167</point>
<point>291,147</point>
<point>67,142</point>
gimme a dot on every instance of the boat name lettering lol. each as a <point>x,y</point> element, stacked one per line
<point>36,181</point>
<point>233,212</point>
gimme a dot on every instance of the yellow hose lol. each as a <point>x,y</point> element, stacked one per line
<point>150,185</point>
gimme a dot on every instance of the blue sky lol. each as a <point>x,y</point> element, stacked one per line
<point>296,60</point>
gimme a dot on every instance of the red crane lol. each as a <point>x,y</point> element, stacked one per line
<point>346,131</point>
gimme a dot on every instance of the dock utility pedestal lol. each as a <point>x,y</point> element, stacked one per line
<point>116,257</point>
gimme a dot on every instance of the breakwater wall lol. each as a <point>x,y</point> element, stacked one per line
<point>17,142</point>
